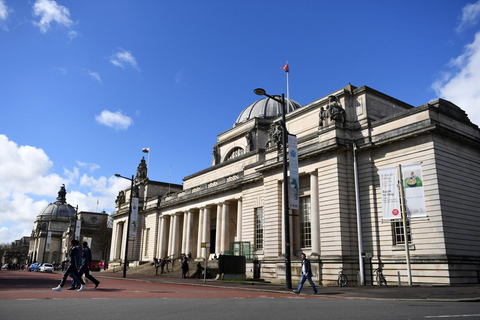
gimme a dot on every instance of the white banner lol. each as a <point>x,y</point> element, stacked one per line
<point>294,188</point>
<point>390,193</point>
<point>133,218</point>
<point>414,194</point>
<point>78,226</point>
<point>49,239</point>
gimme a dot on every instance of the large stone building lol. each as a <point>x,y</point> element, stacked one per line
<point>59,219</point>
<point>237,201</point>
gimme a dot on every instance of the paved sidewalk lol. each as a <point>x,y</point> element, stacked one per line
<point>463,293</point>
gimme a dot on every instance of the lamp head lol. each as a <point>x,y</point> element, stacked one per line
<point>260,92</point>
<point>117,175</point>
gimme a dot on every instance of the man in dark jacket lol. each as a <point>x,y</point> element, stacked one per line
<point>306,275</point>
<point>74,263</point>
<point>86,262</point>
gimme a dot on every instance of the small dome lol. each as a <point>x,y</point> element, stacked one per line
<point>266,108</point>
<point>59,210</point>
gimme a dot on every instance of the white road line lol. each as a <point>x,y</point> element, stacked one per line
<point>453,316</point>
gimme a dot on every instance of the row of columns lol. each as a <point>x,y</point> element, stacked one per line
<point>169,242</point>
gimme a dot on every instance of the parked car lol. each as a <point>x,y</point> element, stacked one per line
<point>34,266</point>
<point>46,267</point>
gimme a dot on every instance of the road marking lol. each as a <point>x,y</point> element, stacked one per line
<point>453,316</point>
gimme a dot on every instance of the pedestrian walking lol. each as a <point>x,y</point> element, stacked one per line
<point>184,267</point>
<point>72,268</point>
<point>75,284</point>
<point>86,262</point>
<point>162,266</point>
<point>306,275</point>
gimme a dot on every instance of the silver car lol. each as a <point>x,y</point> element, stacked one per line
<point>46,267</point>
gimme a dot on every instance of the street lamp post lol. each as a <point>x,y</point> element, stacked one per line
<point>288,262</point>
<point>128,224</point>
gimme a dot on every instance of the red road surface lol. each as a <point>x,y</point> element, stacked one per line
<point>36,285</point>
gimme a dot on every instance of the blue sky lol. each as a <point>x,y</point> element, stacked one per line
<point>85,85</point>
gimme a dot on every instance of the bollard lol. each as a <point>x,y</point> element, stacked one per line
<point>399,279</point>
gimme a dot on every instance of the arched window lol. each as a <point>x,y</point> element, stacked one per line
<point>235,153</point>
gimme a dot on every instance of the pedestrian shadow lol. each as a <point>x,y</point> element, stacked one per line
<point>107,289</point>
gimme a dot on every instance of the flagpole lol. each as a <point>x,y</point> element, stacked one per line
<point>288,87</point>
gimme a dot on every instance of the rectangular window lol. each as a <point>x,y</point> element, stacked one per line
<point>398,234</point>
<point>259,228</point>
<point>305,223</point>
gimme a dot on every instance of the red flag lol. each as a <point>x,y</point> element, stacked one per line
<point>287,70</point>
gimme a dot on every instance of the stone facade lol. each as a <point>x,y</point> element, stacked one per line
<point>239,198</point>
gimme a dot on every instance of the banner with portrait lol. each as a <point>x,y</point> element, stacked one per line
<point>412,180</point>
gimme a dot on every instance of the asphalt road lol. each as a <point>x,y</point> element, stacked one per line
<point>28,295</point>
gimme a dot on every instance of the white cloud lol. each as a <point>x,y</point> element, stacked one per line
<point>94,75</point>
<point>461,85</point>
<point>179,76</point>
<point>116,120</point>
<point>91,166</point>
<point>470,15</point>
<point>49,11</point>
<point>27,186</point>
<point>122,58</point>
<point>62,70</point>
<point>4,13</point>
<point>3,10</point>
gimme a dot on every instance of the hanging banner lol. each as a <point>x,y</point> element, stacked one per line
<point>414,193</point>
<point>294,190</point>
<point>390,193</point>
<point>78,226</point>
<point>49,238</point>
<point>133,218</point>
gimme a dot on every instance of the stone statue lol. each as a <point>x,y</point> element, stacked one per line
<point>250,145</point>
<point>274,135</point>
<point>62,195</point>
<point>120,198</point>
<point>334,111</point>
<point>216,155</point>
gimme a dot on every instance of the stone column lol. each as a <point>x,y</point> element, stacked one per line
<point>184,233</point>
<point>218,231</point>
<point>314,212</point>
<point>200,233</point>
<point>162,237</point>
<point>239,219</point>
<point>206,229</point>
<point>176,233</point>
<point>188,232</point>
<point>225,227</point>
<point>170,236</point>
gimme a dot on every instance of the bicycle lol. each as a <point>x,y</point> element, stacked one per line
<point>379,277</point>
<point>342,279</point>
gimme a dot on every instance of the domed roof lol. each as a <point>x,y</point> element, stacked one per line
<point>266,108</point>
<point>59,208</point>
